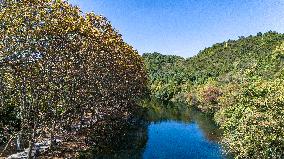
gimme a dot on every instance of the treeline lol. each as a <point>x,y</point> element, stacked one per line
<point>166,74</point>
<point>62,73</point>
<point>240,82</point>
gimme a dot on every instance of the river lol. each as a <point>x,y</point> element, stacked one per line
<point>173,131</point>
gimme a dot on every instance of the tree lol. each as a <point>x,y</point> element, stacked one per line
<point>60,67</point>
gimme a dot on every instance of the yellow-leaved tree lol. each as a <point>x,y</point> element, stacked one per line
<point>62,70</point>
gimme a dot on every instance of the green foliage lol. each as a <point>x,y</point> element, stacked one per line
<point>240,82</point>
<point>166,74</point>
<point>253,123</point>
<point>251,54</point>
<point>9,123</point>
<point>207,95</point>
<point>230,61</point>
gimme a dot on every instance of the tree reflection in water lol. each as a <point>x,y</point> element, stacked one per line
<point>162,111</point>
<point>124,140</point>
<point>119,139</point>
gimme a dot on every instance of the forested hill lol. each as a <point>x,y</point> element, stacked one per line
<point>240,82</point>
<point>164,71</point>
<point>160,65</point>
<point>231,60</point>
<point>253,53</point>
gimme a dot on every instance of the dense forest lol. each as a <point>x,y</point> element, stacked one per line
<point>239,82</point>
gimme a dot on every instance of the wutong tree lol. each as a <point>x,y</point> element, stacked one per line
<point>62,72</point>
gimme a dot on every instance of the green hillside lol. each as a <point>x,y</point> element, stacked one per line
<point>240,82</point>
<point>254,53</point>
<point>165,71</point>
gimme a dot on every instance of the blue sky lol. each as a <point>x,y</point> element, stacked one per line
<point>183,27</point>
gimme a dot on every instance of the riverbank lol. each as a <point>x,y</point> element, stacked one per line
<point>171,130</point>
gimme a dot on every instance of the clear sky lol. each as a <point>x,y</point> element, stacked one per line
<point>183,27</point>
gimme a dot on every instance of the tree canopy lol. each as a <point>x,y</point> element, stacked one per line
<point>239,82</point>
<point>59,67</point>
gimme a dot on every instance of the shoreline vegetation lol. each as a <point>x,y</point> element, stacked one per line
<point>69,79</point>
<point>64,75</point>
<point>239,82</point>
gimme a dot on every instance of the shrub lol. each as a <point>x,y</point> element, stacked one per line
<point>211,94</point>
<point>207,96</point>
<point>253,122</point>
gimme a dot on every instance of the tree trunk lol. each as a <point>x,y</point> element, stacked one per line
<point>52,140</point>
<point>32,141</point>
<point>21,113</point>
<point>18,141</point>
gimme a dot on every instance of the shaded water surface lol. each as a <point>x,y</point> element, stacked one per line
<point>170,131</point>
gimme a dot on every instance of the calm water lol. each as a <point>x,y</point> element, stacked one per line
<point>175,139</point>
<point>171,132</point>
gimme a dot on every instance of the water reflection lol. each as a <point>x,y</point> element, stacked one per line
<point>119,141</point>
<point>166,131</point>
<point>162,112</point>
<point>177,140</point>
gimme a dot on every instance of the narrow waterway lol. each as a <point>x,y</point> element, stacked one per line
<point>173,131</point>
